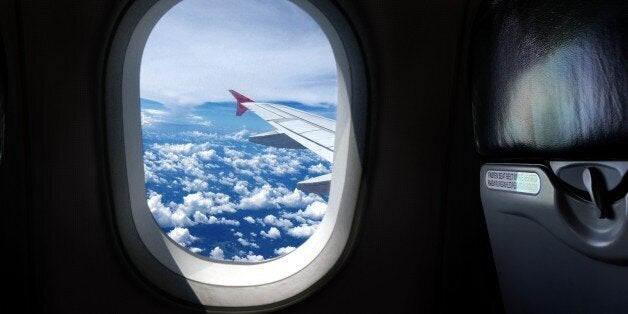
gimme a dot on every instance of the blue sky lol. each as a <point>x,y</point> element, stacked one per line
<point>268,50</point>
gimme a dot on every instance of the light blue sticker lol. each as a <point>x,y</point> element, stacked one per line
<point>513,181</point>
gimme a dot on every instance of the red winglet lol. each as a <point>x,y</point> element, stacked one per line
<point>240,109</point>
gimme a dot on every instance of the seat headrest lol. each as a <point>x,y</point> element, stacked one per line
<point>550,79</point>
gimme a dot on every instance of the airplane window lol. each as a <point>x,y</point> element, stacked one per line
<point>228,177</point>
<point>236,144</point>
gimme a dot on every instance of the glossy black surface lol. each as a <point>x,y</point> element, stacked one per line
<point>3,96</point>
<point>550,79</point>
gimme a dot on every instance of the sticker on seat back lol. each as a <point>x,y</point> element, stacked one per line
<point>513,181</point>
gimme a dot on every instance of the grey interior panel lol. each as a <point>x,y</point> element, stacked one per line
<point>553,254</point>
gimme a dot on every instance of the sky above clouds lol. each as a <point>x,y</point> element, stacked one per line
<point>269,50</point>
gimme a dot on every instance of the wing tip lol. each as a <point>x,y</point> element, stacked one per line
<point>319,185</point>
<point>240,109</point>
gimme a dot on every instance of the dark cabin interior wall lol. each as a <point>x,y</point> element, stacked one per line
<point>14,235</point>
<point>469,277</point>
<point>422,246</point>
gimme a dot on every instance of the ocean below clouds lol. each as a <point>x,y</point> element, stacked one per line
<point>221,196</point>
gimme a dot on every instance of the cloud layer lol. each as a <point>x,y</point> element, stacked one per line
<point>238,190</point>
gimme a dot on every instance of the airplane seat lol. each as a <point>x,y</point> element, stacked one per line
<point>550,107</point>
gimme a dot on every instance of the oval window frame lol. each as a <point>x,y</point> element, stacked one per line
<point>212,283</point>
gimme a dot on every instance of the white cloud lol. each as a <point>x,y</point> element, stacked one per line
<point>296,217</point>
<point>302,231</point>
<point>284,250</point>
<point>270,163</point>
<point>194,185</point>
<point>206,155</point>
<point>149,155</point>
<point>316,210</point>
<point>232,153</point>
<point>318,169</point>
<point>261,198</point>
<point>207,202</point>
<point>152,116</point>
<point>268,197</point>
<point>157,208</point>
<point>164,215</point>
<point>193,210</point>
<point>217,253</point>
<point>241,188</point>
<point>191,166</point>
<point>297,198</point>
<point>212,220</point>
<point>150,176</point>
<point>182,236</point>
<point>273,233</point>
<point>247,243</point>
<point>228,179</point>
<point>275,162</point>
<point>194,119</point>
<point>239,136</point>
<point>250,257</point>
<point>238,234</point>
<point>190,158</point>
<point>277,222</point>
<point>181,149</point>
<point>260,180</point>
<point>196,249</point>
<point>249,219</point>
<point>196,135</point>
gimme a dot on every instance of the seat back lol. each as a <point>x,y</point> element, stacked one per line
<point>550,106</point>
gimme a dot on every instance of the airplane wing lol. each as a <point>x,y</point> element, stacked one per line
<point>293,129</point>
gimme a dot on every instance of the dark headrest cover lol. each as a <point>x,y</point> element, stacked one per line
<point>550,78</point>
